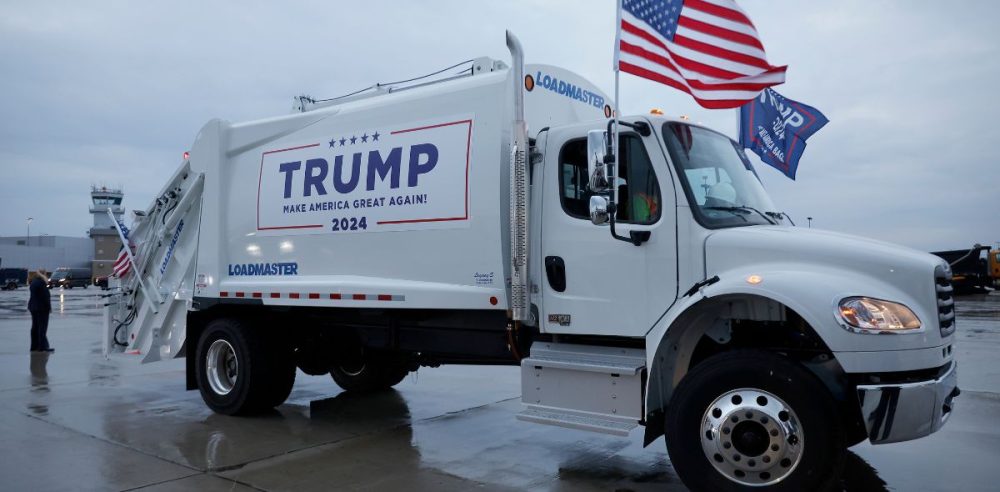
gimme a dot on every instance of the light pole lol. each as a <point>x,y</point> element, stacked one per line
<point>810,219</point>
<point>27,241</point>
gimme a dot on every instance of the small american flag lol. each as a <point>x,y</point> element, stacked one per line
<point>707,48</point>
<point>122,265</point>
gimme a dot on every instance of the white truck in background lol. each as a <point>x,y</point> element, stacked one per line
<point>487,219</point>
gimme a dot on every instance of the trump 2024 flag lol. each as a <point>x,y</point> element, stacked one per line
<point>776,128</point>
<point>707,48</point>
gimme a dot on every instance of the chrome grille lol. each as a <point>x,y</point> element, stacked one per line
<point>945,301</point>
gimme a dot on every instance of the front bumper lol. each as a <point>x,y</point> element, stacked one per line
<point>901,412</point>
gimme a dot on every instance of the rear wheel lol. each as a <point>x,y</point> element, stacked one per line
<point>241,370</point>
<point>362,371</point>
<point>754,419</point>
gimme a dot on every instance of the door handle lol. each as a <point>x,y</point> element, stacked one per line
<point>555,270</point>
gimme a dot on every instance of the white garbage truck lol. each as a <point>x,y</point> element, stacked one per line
<point>633,267</point>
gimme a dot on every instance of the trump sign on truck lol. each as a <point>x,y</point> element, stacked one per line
<point>776,129</point>
<point>414,176</point>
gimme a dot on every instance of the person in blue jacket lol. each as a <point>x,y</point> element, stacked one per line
<point>40,305</point>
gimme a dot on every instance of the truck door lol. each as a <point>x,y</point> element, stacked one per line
<point>591,282</point>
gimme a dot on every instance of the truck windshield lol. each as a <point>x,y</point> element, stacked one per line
<point>720,183</point>
<point>60,274</point>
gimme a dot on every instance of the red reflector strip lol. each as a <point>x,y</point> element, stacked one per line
<point>223,294</point>
<point>317,295</point>
<point>239,294</point>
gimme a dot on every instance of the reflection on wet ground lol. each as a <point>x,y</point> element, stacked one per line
<point>115,424</point>
<point>76,302</point>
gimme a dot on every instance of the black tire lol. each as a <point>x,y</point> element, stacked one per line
<point>822,454</point>
<point>368,372</point>
<point>261,378</point>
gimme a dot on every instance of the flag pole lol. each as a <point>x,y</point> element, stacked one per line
<point>615,114</point>
<point>739,124</point>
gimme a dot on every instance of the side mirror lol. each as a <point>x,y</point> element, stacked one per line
<point>596,168</point>
<point>599,209</point>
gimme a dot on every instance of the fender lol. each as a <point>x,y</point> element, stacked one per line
<point>811,291</point>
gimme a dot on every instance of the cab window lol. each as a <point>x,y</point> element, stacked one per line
<point>639,199</point>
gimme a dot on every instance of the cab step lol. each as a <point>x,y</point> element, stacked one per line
<point>578,420</point>
<point>583,387</point>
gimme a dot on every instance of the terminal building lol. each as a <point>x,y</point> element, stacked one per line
<point>45,252</point>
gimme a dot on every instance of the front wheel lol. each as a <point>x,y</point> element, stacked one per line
<point>754,419</point>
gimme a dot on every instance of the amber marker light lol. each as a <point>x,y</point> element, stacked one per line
<point>849,314</point>
<point>754,279</point>
<point>656,112</point>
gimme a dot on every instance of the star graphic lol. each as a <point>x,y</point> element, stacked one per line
<point>333,142</point>
<point>353,139</point>
<point>364,138</point>
<point>342,141</point>
<point>375,137</point>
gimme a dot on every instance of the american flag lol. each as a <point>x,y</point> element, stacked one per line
<point>122,265</point>
<point>707,48</point>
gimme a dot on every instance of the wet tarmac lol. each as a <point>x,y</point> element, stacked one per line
<point>75,421</point>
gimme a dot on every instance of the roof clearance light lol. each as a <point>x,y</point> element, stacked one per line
<point>656,111</point>
<point>754,279</point>
<point>186,155</point>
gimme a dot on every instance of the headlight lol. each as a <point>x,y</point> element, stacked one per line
<point>875,315</point>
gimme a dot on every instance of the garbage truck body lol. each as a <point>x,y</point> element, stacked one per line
<point>495,218</point>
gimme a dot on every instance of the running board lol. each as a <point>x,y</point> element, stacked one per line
<point>578,420</point>
<point>583,387</point>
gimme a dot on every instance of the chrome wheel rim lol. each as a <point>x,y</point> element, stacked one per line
<point>353,371</point>
<point>752,437</point>
<point>222,367</point>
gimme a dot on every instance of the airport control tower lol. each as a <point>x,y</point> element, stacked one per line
<point>106,241</point>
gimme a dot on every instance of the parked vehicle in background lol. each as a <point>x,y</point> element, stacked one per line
<point>12,278</point>
<point>101,282</point>
<point>995,267</point>
<point>974,269</point>
<point>70,277</point>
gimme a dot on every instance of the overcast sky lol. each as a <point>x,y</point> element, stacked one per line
<point>113,93</point>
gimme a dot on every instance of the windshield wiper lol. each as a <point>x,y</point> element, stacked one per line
<point>744,208</point>
<point>780,215</point>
